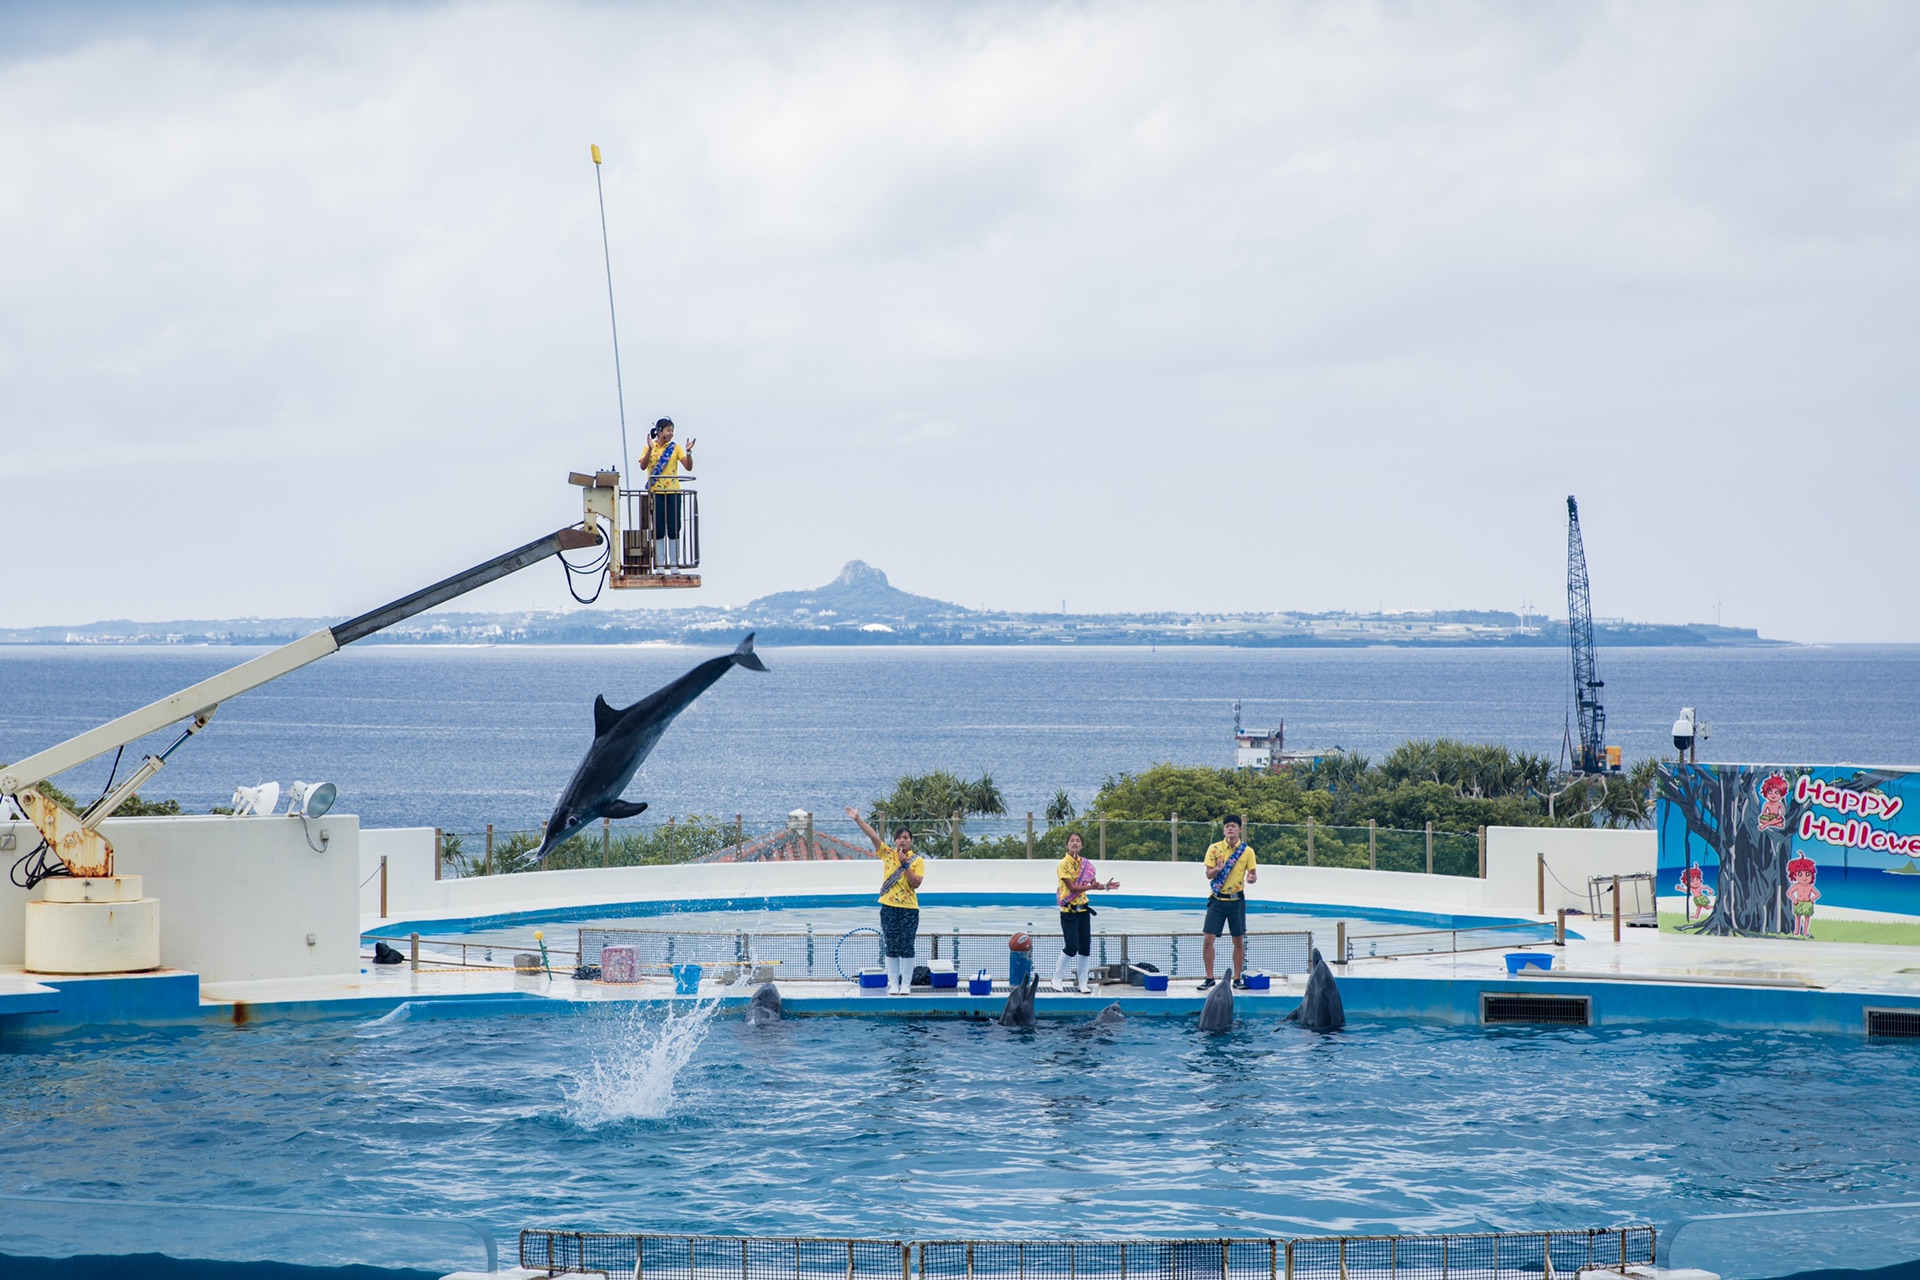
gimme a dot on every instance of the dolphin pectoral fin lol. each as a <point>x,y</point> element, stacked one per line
<point>604,716</point>
<point>745,656</point>
<point>623,809</point>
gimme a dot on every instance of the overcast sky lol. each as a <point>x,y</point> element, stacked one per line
<point>1195,306</point>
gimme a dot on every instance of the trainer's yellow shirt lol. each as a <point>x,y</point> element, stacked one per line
<point>666,483</point>
<point>1068,873</point>
<point>1217,855</point>
<point>902,894</point>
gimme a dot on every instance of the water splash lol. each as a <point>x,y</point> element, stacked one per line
<point>638,1055</point>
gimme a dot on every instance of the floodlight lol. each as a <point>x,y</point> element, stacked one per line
<point>311,799</point>
<point>253,800</point>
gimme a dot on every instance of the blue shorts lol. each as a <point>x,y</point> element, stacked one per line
<point>1227,916</point>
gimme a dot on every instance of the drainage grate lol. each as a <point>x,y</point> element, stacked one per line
<point>1565,1011</point>
<point>1893,1022</point>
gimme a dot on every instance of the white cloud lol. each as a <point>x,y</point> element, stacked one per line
<point>1078,294</point>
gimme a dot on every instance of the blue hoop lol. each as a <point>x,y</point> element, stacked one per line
<point>843,941</point>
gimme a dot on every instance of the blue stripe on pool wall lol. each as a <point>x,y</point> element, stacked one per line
<point>800,902</point>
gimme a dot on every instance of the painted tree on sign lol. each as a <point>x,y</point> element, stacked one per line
<point>1722,806</point>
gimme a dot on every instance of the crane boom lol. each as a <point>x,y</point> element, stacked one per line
<point>83,849</point>
<point>1586,683</point>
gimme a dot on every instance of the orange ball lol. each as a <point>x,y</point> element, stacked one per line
<point>1020,942</point>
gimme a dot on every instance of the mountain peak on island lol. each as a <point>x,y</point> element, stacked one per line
<point>858,573</point>
<point>860,590</point>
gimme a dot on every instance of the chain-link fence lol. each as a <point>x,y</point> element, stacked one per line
<point>497,851</point>
<point>830,954</point>
<point>1507,1255</point>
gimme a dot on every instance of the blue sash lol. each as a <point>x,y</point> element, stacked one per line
<point>906,863</point>
<point>1219,881</point>
<point>666,456</point>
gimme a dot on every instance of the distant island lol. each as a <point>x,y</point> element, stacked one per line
<point>862,607</point>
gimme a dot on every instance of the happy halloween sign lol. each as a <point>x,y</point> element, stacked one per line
<point>1762,849</point>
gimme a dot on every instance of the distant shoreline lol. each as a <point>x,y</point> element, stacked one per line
<point>778,640</point>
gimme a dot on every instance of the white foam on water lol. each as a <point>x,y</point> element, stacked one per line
<point>637,1059</point>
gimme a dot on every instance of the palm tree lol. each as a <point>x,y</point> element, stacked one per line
<point>1060,809</point>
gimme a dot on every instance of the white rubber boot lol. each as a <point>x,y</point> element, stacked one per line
<point>1080,964</point>
<point>1060,971</point>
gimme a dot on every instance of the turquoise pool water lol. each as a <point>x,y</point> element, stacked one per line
<point>628,1119</point>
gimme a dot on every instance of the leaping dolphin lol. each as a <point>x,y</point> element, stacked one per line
<point>1320,1009</point>
<point>622,739</point>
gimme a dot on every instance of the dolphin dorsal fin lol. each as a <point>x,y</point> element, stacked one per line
<point>604,716</point>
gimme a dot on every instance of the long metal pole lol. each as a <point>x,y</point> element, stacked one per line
<point>606,252</point>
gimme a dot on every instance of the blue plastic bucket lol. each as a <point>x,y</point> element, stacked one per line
<point>980,984</point>
<point>1258,981</point>
<point>686,979</point>
<point>1518,960</point>
<point>1154,981</point>
<point>871,979</point>
<point>945,980</point>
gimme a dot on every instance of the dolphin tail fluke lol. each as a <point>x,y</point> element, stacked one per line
<point>744,655</point>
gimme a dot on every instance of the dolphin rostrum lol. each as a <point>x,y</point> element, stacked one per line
<point>1111,1016</point>
<point>1019,1007</point>
<point>1217,1013</point>
<point>622,739</point>
<point>764,1006</point>
<point>1320,1009</point>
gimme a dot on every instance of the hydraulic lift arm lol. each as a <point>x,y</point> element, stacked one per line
<point>74,837</point>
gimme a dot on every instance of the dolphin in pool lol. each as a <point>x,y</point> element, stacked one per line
<point>1019,1008</point>
<point>1320,1009</point>
<point>764,1006</point>
<point>622,739</point>
<point>1111,1016</point>
<point>1217,1013</point>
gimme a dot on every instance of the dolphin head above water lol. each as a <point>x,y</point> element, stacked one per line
<point>622,739</point>
<point>764,1005</point>
<point>1018,1011</point>
<point>1321,1008</point>
<point>1217,1013</point>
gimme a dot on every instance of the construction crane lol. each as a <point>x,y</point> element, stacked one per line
<point>1592,755</point>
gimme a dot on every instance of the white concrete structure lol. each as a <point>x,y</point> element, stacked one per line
<point>409,852</point>
<point>1509,890</point>
<point>239,898</point>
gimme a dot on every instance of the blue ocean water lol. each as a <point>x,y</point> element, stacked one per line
<point>617,1119</point>
<point>460,737</point>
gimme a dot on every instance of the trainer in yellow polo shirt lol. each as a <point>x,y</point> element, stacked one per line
<point>1230,867</point>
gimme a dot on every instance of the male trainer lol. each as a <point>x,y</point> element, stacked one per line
<point>1230,869</point>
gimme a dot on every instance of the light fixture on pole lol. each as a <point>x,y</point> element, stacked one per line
<point>311,799</point>
<point>255,800</point>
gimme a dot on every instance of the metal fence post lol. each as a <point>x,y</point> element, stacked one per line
<point>1616,908</point>
<point>606,842</point>
<point>1483,853</point>
<point>413,947</point>
<point>1340,942</point>
<point>1103,837</point>
<point>1429,847</point>
<point>1173,838</point>
<point>956,833</point>
<point>383,886</point>
<point>1540,878</point>
<point>439,847</point>
<point>739,831</point>
<point>1373,845</point>
<point>1029,833</point>
<point>1309,840</point>
<point>486,866</point>
<point>1560,928</point>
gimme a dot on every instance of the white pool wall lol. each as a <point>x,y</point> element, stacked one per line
<point>1510,888</point>
<point>239,897</point>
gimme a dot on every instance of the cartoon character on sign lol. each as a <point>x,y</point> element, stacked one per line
<point>1802,894</point>
<point>1773,809</point>
<point>1693,885</point>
